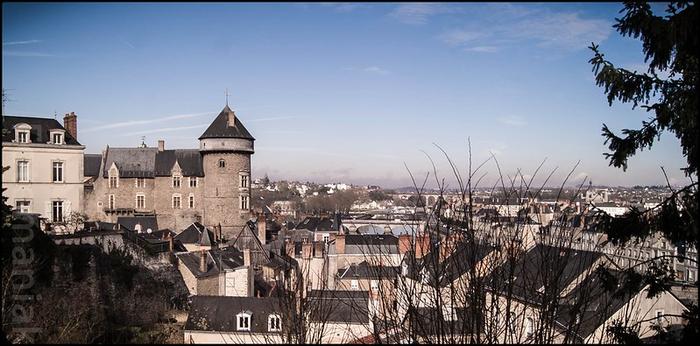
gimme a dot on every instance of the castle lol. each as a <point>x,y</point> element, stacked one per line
<point>178,186</point>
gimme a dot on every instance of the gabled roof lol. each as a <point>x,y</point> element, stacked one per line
<point>131,162</point>
<point>217,260</point>
<point>190,161</point>
<point>328,306</point>
<point>91,165</point>
<point>39,132</point>
<point>146,222</point>
<point>219,127</point>
<point>218,313</point>
<point>193,234</point>
<point>366,271</point>
<point>248,239</point>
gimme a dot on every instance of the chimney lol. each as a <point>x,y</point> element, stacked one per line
<point>404,243</point>
<point>246,257</point>
<point>203,261</point>
<point>289,247</point>
<point>306,249</point>
<point>318,249</point>
<point>340,243</point>
<point>231,119</point>
<point>171,246</point>
<point>70,123</point>
<point>262,228</point>
<point>161,145</point>
<point>422,244</point>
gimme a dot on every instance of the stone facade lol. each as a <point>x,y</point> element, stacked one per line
<point>222,190</point>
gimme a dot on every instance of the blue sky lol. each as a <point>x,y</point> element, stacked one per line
<point>340,91</point>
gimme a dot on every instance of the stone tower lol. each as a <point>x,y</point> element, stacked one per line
<point>226,147</point>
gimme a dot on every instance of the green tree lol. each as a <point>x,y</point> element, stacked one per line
<point>670,46</point>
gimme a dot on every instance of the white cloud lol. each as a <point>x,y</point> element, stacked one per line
<point>458,37</point>
<point>482,49</point>
<point>512,121</point>
<point>28,54</point>
<point>14,43</point>
<point>144,122</point>
<point>564,30</point>
<point>375,69</point>
<point>342,6</point>
<point>418,13</point>
<point>166,129</point>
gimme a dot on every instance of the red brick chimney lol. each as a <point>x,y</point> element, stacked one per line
<point>340,243</point>
<point>306,249</point>
<point>404,243</point>
<point>203,261</point>
<point>70,123</point>
<point>161,145</point>
<point>422,244</point>
<point>262,228</point>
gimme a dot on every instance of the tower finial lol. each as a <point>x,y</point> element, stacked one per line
<point>143,141</point>
<point>226,93</point>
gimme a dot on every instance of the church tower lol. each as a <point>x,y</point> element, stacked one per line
<point>226,147</point>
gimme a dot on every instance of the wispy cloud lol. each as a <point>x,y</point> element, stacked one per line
<point>272,118</point>
<point>27,54</point>
<point>375,69</point>
<point>418,13</point>
<point>144,122</point>
<point>342,6</point>
<point>482,49</point>
<point>457,36</point>
<point>166,129</point>
<point>512,121</point>
<point>14,43</point>
<point>509,24</point>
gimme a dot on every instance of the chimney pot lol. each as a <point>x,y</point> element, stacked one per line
<point>70,123</point>
<point>340,243</point>
<point>262,228</point>
<point>161,145</point>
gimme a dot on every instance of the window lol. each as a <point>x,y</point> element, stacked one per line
<point>58,172</point>
<point>659,316</point>
<point>113,182</point>
<point>374,285</point>
<point>140,182</point>
<point>57,138</point>
<point>244,180</point>
<point>193,181</point>
<point>690,275</point>
<point>353,284</point>
<point>243,320</point>
<point>22,171</point>
<point>176,202</point>
<point>23,136</point>
<point>111,201</point>
<point>529,327</point>
<point>222,163</point>
<point>140,201</point>
<point>176,181</point>
<point>274,323</point>
<point>326,238</point>
<point>244,202</point>
<point>23,206</point>
<point>190,202</point>
<point>57,211</point>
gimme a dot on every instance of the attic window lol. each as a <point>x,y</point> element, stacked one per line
<point>243,321</point>
<point>274,323</point>
<point>22,133</point>
<point>222,163</point>
<point>57,138</point>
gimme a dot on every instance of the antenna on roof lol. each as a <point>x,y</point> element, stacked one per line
<point>55,114</point>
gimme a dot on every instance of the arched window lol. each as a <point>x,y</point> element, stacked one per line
<point>274,323</point>
<point>222,163</point>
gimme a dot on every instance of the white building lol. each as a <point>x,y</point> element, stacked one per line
<point>45,161</point>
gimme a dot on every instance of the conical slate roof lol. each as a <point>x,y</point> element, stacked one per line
<point>219,127</point>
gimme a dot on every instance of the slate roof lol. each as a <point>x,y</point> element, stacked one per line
<point>193,234</point>
<point>316,224</point>
<point>247,238</point>
<point>369,244</point>
<point>190,161</point>
<point>430,321</point>
<point>149,162</point>
<point>219,127</point>
<point>218,313</point>
<point>217,260</point>
<point>131,162</point>
<point>146,222</point>
<point>39,132</point>
<point>91,165</point>
<point>543,265</point>
<point>464,257</point>
<point>366,271</point>
<point>330,306</point>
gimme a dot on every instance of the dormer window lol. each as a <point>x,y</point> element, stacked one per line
<point>22,133</point>
<point>274,323</point>
<point>243,321</point>
<point>56,137</point>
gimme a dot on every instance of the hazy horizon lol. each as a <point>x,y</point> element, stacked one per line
<point>339,92</point>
